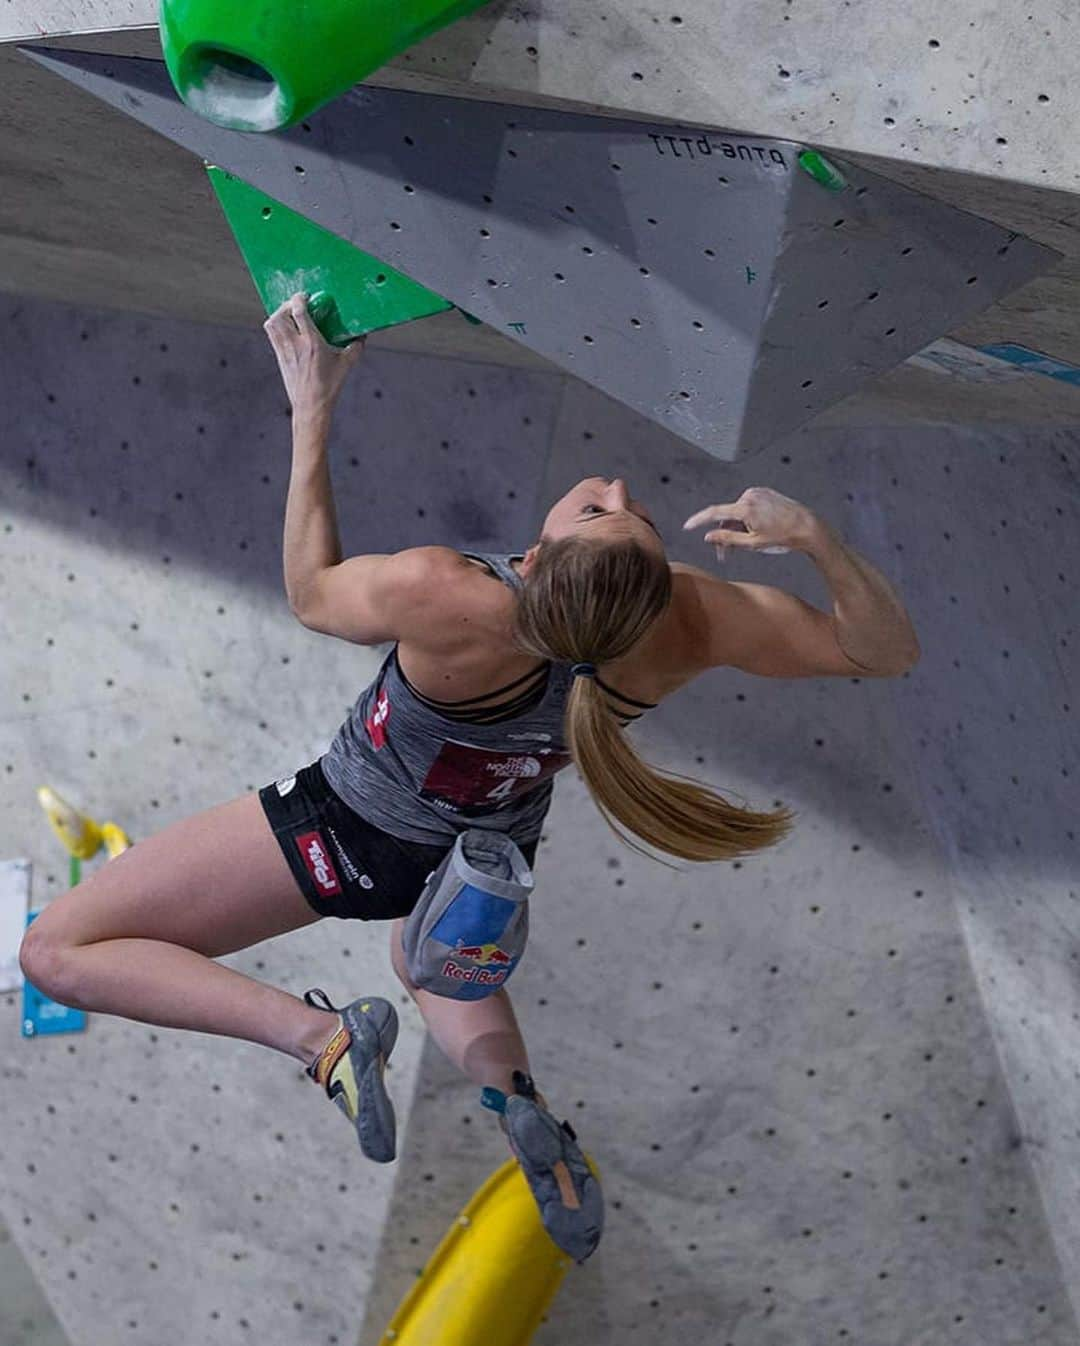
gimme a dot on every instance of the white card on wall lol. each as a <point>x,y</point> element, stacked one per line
<point>14,905</point>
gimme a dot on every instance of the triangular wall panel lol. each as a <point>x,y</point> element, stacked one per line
<point>285,253</point>
<point>703,279</point>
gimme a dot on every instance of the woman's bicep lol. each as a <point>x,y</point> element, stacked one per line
<point>369,600</point>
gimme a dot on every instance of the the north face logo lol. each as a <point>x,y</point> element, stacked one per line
<point>320,866</point>
<point>519,768</point>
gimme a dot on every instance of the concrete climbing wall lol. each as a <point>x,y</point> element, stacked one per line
<point>831,1088</point>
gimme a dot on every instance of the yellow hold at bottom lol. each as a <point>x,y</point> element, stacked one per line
<point>491,1279</point>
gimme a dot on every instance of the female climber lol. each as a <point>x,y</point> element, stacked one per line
<point>503,670</point>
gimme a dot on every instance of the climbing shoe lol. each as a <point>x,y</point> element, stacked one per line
<point>569,1197</point>
<point>350,1069</point>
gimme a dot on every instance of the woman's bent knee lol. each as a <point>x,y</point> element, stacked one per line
<point>215,883</point>
<point>47,966</point>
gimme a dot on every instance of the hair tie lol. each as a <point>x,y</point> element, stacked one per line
<point>585,670</point>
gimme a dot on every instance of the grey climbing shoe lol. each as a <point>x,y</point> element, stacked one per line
<point>569,1197</point>
<point>350,1069</point>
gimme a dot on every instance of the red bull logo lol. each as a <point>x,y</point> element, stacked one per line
<point>485,953</point>
<point>493,965</point>
<point>479,976</point>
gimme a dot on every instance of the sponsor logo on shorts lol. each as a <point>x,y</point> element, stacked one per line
<point>286,784</point>
<point>365,882</point>
<point>351,872</point>
<point>320,866</point>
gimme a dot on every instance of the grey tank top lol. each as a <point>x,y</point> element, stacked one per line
<point>424,777</point>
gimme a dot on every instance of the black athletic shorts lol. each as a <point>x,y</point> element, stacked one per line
<point>345,866</point>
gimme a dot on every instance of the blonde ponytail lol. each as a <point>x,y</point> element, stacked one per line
<point>591,602</point>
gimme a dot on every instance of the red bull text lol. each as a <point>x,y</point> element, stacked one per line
<point>479,975</point>
<point>493,965</point>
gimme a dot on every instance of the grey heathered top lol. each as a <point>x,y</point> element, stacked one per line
<point>424,777</point>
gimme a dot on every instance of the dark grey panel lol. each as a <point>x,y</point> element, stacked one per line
<point>703,279</point>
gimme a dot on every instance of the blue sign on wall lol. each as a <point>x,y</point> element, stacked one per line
<point>42,1015</point>
<point>1035,362</point>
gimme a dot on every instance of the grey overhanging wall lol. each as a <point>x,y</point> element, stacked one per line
<point>708,282</point>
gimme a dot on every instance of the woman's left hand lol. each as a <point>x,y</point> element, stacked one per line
<point>312,369</point>
<point>760,520</point>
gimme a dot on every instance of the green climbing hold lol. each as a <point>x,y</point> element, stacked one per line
<point>822,171</point>
<point>351,292</point>
<point>261,65</point>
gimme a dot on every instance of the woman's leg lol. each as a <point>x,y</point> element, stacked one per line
<point>139,936</point>
<point>481,1037</point>
<point>483,1040</point>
